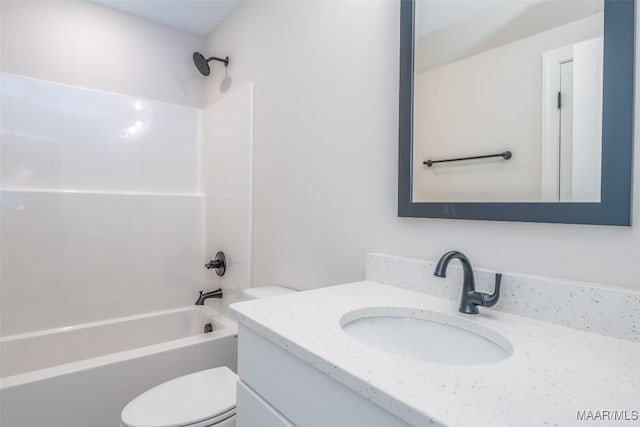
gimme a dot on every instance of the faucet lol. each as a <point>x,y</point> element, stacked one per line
<point>219,264</point>
<point>206,295</point>
<point>470,299</point>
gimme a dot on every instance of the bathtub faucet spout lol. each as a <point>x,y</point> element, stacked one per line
<point>206,295</point>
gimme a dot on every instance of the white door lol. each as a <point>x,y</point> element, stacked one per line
<point>565,111</point>
<point>572,123</point>
<point>587,121</point>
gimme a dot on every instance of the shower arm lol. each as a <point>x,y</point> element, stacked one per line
<point>215,58</point>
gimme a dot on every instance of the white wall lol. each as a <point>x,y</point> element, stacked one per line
<point>326,83</point>
<point>487,103</point>
<point>88,45</point>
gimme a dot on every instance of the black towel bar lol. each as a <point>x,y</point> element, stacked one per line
<point>505,155</point>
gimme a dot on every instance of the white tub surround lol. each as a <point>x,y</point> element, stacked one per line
<point>98,200</point>
<point>67,370</point>
<point>553,373</point>
<point>61,137</point>
<point>226,182</point>
<point>587,306</point>
<point>70,258</point>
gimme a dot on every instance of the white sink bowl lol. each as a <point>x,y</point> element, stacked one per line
<point>426,335</point>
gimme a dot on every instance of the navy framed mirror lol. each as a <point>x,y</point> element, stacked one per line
<point>517,111</point>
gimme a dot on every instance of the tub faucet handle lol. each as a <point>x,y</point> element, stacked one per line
<point>219,264</point>
<point>212,264</point>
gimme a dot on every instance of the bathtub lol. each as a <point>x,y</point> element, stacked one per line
<point>84,375</point>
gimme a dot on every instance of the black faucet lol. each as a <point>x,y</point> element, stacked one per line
<point>470,299</point>
<point>206,295</point>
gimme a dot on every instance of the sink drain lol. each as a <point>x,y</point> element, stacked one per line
<point>208,328</point>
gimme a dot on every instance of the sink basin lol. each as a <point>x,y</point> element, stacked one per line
<point>426,335</point>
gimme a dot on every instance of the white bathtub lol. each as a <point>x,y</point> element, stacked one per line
<point>84,375</point>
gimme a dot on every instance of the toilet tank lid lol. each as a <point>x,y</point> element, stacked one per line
<point>188,400</point>
<point>266,291</point>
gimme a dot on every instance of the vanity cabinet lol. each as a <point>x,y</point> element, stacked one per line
<point>277,389</point>
<point>255,410</point>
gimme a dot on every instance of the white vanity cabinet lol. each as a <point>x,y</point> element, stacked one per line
<point>255,410</point>
<point>276,389</point>
<point>303,363</point>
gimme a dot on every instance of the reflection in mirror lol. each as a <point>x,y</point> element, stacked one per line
<point>523,77</point>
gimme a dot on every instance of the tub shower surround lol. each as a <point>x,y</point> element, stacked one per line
<point>589,307</point>
<point>101,218</point>
<point>99,199</point>
<point>61,137</point>
<point>103,201</point>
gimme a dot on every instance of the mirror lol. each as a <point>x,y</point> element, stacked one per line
<point>517,110</point>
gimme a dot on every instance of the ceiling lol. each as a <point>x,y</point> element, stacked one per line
<point>432,15</point>
<point>198,17</point>
<point>487,26</point>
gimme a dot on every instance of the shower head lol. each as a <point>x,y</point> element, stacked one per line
<point>202,63</point>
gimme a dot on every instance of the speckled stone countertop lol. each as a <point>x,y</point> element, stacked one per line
<point>553,373</point>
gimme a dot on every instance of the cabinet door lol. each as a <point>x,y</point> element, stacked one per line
<point>254,411</point>
<point>306,396</point>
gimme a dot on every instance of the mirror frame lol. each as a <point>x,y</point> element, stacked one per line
<point>614,207</point>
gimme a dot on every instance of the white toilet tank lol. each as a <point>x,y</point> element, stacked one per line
<point>265,292</point>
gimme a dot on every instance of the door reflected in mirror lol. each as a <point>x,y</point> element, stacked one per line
<point>516,83</point>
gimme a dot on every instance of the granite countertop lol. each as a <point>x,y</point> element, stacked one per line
<point>554,371</point>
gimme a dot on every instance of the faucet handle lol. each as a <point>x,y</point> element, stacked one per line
<point>212,264</point>
<point>219,264</point>
<point>489,300</point>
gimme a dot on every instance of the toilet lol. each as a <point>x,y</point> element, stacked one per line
<point>202,399</point>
